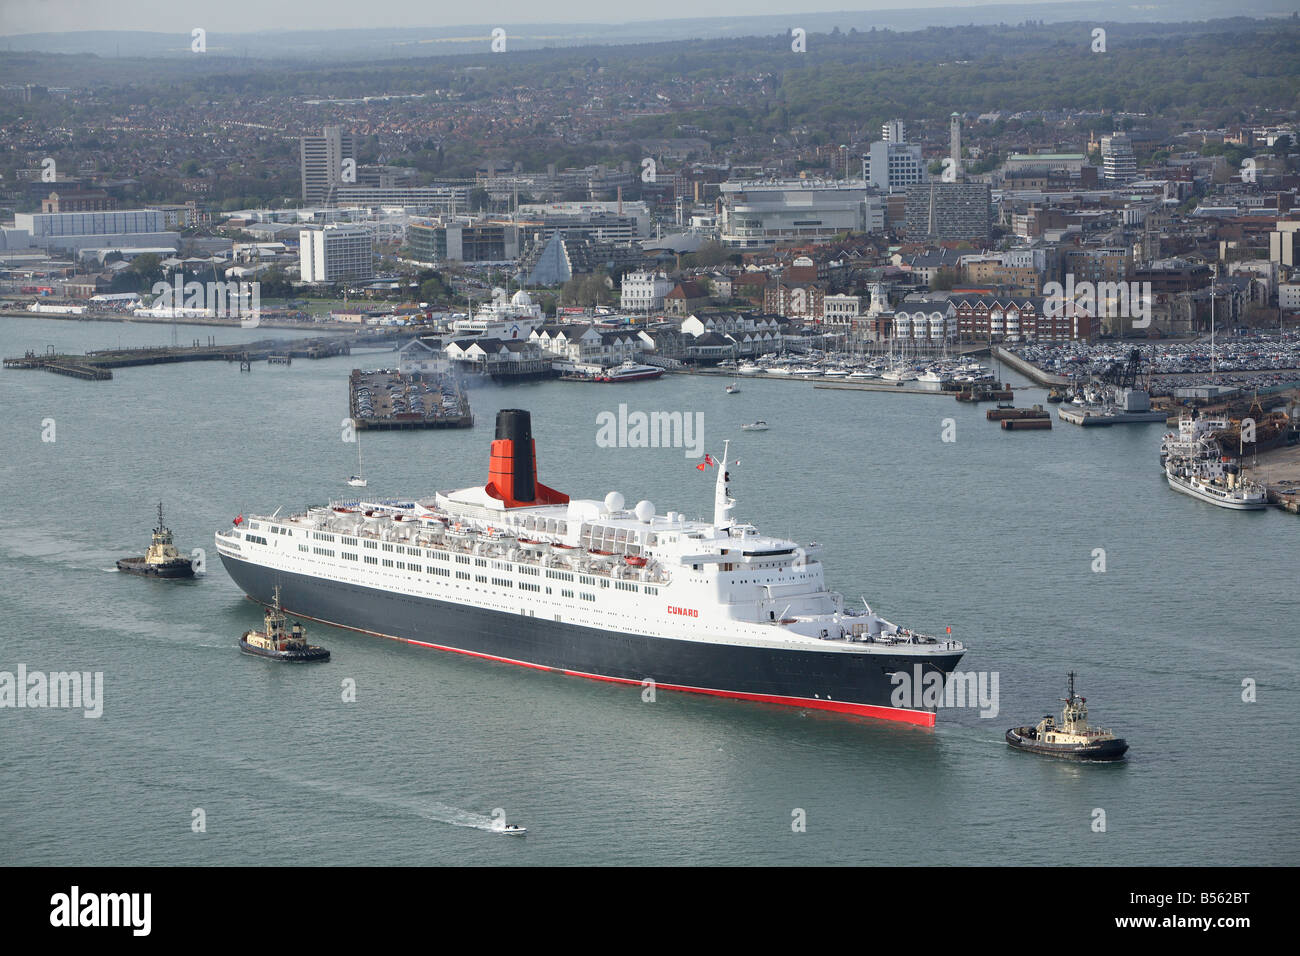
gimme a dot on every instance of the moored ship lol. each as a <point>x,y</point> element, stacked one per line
<point>1217,481</point>
<point>630,372</point>
<point>162,560</point>
<point>515,571</point>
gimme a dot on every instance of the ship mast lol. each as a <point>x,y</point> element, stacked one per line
<point>723,503</point>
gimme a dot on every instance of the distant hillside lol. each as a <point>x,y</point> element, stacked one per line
<point>415,41</point>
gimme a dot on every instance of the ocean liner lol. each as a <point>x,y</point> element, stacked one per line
<point>515,571</point>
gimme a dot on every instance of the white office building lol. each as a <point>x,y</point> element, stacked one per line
<point>644,291</point>
<point>336,253</point>
<point>893,166</point>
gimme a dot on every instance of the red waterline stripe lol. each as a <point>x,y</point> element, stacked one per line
<point>921,718</point>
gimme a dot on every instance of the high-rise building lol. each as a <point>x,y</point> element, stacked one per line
<point>335,253</point>
<point>938,210</point>
<point>954,141</point>
<point>1119,165</point>
<point>892,166</point>
<point>894,131</point>
<point>322,163</point>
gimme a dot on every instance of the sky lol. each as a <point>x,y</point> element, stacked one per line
<point>181,16</point>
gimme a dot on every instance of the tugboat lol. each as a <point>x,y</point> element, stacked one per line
<point>280,643</point>
<point>162,560</point>
<point>1072,738</point>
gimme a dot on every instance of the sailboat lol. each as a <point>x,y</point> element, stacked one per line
<point>356,481</point>
<point>733,388</point>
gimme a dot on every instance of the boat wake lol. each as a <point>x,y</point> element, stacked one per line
<point>428,810</point>
<point>112,570</point>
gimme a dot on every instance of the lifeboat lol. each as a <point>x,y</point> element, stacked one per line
<point>635,560</point>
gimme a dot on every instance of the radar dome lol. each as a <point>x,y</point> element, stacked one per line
<point>613,502</point>
<point>522,298</point>
<point>645,510</point>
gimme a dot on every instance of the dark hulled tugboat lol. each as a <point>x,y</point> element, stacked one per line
<point>1072,737</point>
<point>279,642</point>
<point>162,560</point>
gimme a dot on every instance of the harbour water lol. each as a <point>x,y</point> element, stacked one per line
<point>995,534</point>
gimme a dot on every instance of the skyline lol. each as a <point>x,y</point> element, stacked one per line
<point>294,15</point>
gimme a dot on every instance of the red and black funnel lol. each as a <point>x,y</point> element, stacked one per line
<point>512,476</point>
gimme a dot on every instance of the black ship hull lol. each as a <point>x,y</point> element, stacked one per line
<point>174,569</point>
<point>307,655</point>
<point>846,683</point>
<point>1020,739</point>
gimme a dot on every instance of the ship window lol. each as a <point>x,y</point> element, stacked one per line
<point>370,544</point>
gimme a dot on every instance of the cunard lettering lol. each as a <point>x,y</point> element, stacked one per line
<point>684,611</point>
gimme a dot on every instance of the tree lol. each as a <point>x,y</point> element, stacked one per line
<point>944,279</point>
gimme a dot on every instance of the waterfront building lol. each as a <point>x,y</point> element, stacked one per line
<point>336,253</point>
<point>644,291</point>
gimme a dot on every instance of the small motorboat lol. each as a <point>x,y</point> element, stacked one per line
<point>514,829</point>
<point>759,426</point>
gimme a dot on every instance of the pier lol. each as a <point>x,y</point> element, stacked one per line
<point>867,386</point>
<point>1027,369</point>
<point>95,366</point>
